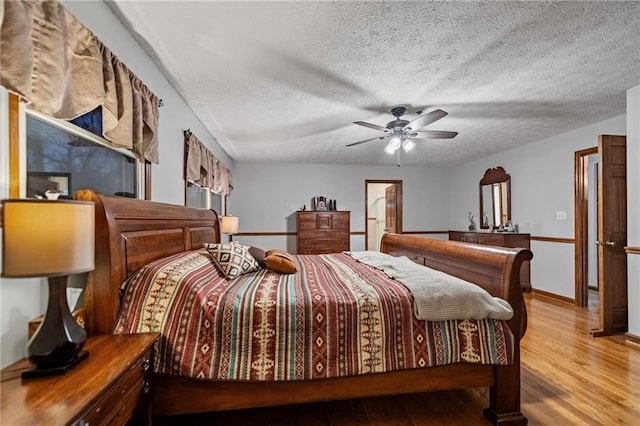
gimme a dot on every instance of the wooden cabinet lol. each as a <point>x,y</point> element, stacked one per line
<point>501,239</point>
<point>106,388</point>
<point>321,232</point>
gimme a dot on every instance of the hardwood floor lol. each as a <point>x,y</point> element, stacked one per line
<point>568,378</point>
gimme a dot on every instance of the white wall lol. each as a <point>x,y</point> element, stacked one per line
<point>541,184</point>
<point>266,196</point>
<point>633,206</point>
<point>21,300</point>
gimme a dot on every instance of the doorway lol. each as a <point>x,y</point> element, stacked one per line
<point>607,173</point>
<point>383,210</point>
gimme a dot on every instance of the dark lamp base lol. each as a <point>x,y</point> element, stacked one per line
<point>55,371</point>
<point>56,346</point>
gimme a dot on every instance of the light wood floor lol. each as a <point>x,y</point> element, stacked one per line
<point>568,378</point>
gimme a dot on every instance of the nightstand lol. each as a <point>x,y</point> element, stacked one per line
<point>106,388</point>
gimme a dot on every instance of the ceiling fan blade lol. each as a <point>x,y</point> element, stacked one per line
<point>366,140</point>
<point>371,126</point>
<point>425,119</point>
<point>432,134</point>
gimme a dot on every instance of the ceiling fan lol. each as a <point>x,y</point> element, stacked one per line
<point>403,133</point>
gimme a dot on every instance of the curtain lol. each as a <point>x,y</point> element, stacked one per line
<point>59,68</point>
<point>203,168</point>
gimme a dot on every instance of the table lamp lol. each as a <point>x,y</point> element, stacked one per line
<point>229,225</point>
<point>43,238</point>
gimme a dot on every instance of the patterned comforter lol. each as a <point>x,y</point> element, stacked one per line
<point>334,317</point>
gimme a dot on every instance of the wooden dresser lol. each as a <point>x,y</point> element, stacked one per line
<point>501,239</point>
<point>106,388</point>
<point>321,232</point>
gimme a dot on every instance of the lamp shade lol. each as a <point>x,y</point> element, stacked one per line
<point>47,238</point>
<point>229,224</point>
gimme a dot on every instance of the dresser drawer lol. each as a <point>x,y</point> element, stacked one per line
<point>306,221</point>
<point>324,242</point>
<point>321,250</point>
<point>341,222</point>
<point>121,399</point>
<point>322,221</point>
<point>325,235</point>
<point>491,240</point>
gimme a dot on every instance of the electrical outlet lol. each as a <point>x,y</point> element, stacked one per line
<point>561,215</point>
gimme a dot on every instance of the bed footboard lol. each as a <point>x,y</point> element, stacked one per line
<point>495,269</point>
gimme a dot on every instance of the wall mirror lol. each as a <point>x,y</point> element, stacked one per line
<point>495,198</point>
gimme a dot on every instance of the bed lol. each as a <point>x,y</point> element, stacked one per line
<point>132,233</point>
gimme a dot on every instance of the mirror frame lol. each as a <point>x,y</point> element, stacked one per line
<point>491,176</point>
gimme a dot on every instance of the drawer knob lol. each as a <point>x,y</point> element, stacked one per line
<point>146,365</point>
<point>146,388</point>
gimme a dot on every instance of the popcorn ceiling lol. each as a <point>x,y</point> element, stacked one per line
<point>283,81</point>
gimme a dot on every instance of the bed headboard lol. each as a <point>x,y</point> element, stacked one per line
<point>129,234</point>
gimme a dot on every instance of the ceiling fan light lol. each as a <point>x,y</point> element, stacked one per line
<point>389,149</point>
<point>393,145</point>
<point>408,145</point>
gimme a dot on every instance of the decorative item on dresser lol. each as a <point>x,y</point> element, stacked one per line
<point>506,239</point>
<point>323,232</point>
<point>106,389</point>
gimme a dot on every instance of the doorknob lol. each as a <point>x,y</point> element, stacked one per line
<point>610,243</point>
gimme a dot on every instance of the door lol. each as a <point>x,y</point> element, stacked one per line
<point>383,210</point>
<point>612,235</point>
<point>391,207</point>
<point>586,214</point>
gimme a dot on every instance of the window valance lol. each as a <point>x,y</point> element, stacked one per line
<point>203,168</point>
<point>61,69</point>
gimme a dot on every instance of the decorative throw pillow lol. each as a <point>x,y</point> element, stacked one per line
<point>231,259</point>
<point>280,261</point>
<point>259,255</point>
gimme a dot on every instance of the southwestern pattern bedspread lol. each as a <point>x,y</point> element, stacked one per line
<point>334,317</point>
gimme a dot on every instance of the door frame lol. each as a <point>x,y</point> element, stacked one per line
<point>398,185</point>
<point>581,232</point>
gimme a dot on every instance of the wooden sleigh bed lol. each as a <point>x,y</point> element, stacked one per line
<point>131,233</point>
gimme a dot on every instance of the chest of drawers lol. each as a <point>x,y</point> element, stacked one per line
<point>321,232</point>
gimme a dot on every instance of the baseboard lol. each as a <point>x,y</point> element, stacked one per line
<point>553,296</point>
<point>632,339</point>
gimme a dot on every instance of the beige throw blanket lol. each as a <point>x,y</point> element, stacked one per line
<point>437,296</point>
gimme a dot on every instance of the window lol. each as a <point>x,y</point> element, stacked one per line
<point>64,157</point>
<point>203,198</point>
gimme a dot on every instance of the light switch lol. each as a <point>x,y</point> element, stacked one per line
<point>561,215</point>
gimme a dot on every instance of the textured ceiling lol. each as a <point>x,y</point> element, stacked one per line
<point>283,81</point>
